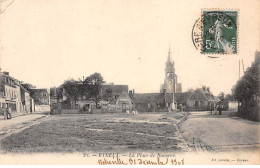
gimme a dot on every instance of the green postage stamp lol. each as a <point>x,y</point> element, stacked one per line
<point>219,31</point>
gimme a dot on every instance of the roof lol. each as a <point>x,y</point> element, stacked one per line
<point>22,88</point>
<point>38,102</point>
<point>198,94</point>
<point>37,94</point>
<point>152,97</point>
<point>116,89</point>
<point>182,97</point>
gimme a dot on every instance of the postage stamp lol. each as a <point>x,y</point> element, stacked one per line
<point>219,31</point>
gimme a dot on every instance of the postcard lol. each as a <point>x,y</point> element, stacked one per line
<point>127,82</point>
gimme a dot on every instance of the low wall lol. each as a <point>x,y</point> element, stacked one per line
<point>233,105</point>
<point>42,108</point>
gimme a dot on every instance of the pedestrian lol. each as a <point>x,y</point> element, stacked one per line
<point>216,109</point>
<point>133,112</point>
<point>220,109</point>
<point>5,113</point>
<point>9,112</point>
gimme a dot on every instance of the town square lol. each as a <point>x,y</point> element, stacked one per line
<point>129,82</point>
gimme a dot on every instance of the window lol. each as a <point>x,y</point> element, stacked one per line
<point>149,105</point>
<point>196,104</point>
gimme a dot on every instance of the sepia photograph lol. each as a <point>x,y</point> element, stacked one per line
<point>127,82</point>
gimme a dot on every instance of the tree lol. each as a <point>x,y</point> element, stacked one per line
<point>73,91</point>
<point>92,87</point>
<point>221,96</point>
<point>229,97</point>
<point>247,93</point>
<point>108,94</point>
<point>28,86</point>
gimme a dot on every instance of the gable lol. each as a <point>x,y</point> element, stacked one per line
<point>124,97</point>
<point>182,97</point>
<point>198,95</point>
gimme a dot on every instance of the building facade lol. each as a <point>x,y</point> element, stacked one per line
<point>200,99</point>
<point>41,99</point>
<point>10,92</point>
<point>153,102</point>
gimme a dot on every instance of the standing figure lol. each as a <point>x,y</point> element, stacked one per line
<point>5,113</point>
<point>9,112</point>
<point>220,109</point>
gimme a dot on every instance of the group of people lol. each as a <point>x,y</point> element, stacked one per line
<point>7,113</point>
<point>218,108</point>
<point>134,112</point>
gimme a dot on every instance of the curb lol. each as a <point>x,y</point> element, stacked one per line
<point>177,129</point>
<point>6,133</point>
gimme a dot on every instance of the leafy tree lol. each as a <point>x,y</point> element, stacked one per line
<point>247,93</point>
<point>108,94</point>
<point>229,97</point>
<point>28,86</point>
<point>248,87</point>
<point>73,91</point>
<point>92,87</point>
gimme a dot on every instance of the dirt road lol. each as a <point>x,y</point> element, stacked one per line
<point>205,132</point>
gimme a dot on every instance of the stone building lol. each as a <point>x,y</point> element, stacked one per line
<point>26,100</point>
<point>41,98</point>
<point>121,104</point>
<point>200,99</point>
<point>152,102</point>
<point>10,92</point>
<point>115,98</point>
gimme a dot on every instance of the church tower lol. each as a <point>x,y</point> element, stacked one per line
<point>170,80</point>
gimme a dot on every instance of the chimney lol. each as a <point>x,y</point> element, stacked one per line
<point>133,91</point>
<point>6,73</point>
<point>204,88</point>
<point>208,89</point>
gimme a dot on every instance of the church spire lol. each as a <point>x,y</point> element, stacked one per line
<point>169,55</point>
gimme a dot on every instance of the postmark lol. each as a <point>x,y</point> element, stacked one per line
<point>216,32</point>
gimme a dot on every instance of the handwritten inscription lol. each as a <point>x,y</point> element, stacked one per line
<point>135,161</point>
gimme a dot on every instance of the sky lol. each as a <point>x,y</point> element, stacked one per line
<point>47,42</point>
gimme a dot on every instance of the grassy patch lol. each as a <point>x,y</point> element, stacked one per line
<point>91,133</point>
